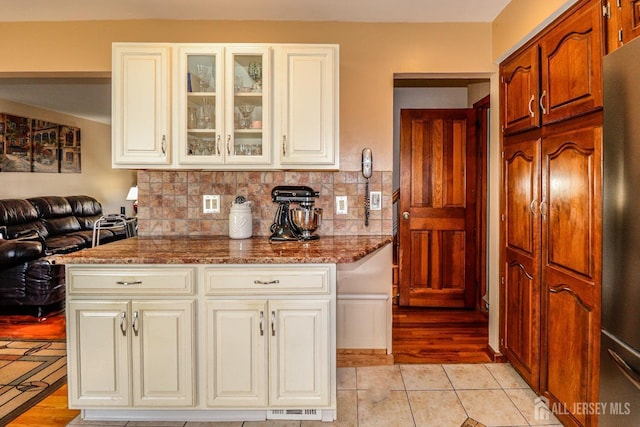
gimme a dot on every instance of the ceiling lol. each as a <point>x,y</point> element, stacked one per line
<point>91,98</point>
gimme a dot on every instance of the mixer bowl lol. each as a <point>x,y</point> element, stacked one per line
<point>307,220</point>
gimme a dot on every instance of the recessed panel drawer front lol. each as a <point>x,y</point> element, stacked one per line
<point>240,279</point>
<point>130,280</point>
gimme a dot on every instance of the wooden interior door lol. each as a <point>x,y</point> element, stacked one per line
<point>438,208</point>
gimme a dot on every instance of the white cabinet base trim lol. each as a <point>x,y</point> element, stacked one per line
<point>325,415</point>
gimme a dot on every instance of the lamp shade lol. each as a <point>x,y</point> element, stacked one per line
<point>133,193</point>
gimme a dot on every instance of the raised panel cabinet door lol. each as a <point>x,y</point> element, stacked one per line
<point>236,340</point>
<point>307,131</point>
<point>520,81</point>
<point>630,19</point>
<point>141,110</point>
<point>163,353</point>
<point>520,290</point>
<point>571,61</point>
<point>571,269</point>
<point>98,370</point>
<point>299,359</point>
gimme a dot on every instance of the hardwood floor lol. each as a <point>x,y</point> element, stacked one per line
<point>427,335</point>
<point>52,411</point>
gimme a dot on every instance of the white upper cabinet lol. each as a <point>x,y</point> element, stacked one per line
<point>307,119</point>
<point>141,112</point>
<point>225,106</point>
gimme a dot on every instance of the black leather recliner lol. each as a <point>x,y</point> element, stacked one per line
<point>33,231</point>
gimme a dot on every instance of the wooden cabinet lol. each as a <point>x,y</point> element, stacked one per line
<point>551,213</point>
<point>571,65</point>
<point>143,350</point>
<point>210,106</point>
<point>306,121</point>
<point>622,22</point>
<point>141,112</point>
<point>571,269</point>
<point>520,91</point>
<point>557,76</point>
<point>273,352</point>
<point>520,282</point>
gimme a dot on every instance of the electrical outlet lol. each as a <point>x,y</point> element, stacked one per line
<point>341,205</point>
<point>211,203</point>
<point>375,200</point>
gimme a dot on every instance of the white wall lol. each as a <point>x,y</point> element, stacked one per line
<point>97,178</point>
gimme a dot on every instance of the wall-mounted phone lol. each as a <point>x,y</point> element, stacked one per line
<point>367,170</point>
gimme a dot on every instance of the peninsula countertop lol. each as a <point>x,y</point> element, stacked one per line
<point>223,250</point>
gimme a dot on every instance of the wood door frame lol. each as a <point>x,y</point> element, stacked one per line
<point>482,122</point>
<point>482,142</point>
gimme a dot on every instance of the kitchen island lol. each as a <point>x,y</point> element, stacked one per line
<point>207,329</point>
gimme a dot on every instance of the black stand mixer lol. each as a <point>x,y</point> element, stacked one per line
<point>296,223</point>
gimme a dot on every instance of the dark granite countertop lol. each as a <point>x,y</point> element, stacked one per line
<point>222,250</point>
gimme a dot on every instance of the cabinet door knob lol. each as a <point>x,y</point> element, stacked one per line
<point>405,215</point>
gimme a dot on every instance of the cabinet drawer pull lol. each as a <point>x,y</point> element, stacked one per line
<point>218,144</point>
<point>262,282</point>
<point>164,140</point>
<point>125,283</point>
<point>273,323</point>
<point>228,145</point>
<point>123,325</point>
<point>284,145</point>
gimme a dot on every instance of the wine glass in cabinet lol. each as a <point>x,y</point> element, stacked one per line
<point>247,110</point>
<point>200,105</point>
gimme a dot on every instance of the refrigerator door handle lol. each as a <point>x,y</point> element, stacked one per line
<point>627,370</point>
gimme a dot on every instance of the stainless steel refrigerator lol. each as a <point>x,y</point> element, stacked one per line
<point>620,346</point>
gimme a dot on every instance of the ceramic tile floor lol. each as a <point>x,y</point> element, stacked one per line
<point>414,396</point>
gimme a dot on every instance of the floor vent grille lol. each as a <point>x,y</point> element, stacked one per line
<point>294,414</point>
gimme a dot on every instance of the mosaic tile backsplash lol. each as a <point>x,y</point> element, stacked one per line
<point>170,202</point>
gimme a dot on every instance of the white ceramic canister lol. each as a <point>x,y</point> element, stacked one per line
<point>240,219</point>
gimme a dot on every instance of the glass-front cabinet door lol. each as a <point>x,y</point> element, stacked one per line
<point>200,100</point>
<point>247,106</point>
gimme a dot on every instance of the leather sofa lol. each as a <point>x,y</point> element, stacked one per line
<point>33,231</point>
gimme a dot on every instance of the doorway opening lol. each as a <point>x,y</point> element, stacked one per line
<point>441,297</point>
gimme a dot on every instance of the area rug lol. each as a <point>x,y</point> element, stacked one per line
<point>470,422</point>
<point>30,370</point>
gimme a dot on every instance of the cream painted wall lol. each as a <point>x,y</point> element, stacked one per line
<point>370,54</point>
<point>520,20</point>
<point>97,179</point>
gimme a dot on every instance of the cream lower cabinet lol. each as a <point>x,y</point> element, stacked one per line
<point>130,337</point>
<point>271,353</point>
<point>202,343</point>
<point>270,335</point>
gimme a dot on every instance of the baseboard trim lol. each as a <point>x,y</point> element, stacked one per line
<point>496,356</point>
<point>358,357</point>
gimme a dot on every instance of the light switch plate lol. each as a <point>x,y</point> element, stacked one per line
<point>341,205</point>
<point>211,203</point>
<point>375,200</point>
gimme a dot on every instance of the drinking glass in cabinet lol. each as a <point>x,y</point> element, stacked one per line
<point>201,73</point>
<point>246,120</point>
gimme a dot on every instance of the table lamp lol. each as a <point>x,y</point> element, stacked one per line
<point>133,195</point>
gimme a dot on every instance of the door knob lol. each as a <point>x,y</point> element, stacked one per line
<point>405,215</point>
